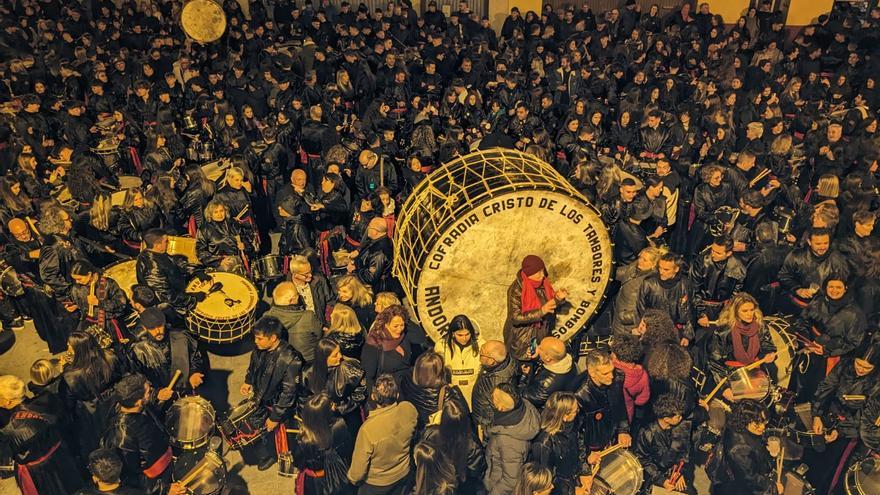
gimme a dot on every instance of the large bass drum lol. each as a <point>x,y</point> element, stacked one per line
<point>227,313</point>
<point>124,273</point>
<point>463,232</point>
<point>786,346</point>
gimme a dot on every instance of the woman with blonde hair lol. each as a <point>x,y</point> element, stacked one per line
<point>346,330</point>
<point>534,479</point>
<point>742,338</point>
<point>556,446</point>
<point>139,214</point>
<point>219,240</point>
<point>359,297</point>
<point>384,300</point>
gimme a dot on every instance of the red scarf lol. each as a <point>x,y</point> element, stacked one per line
<point>530,300</point>
<point>750,355</point>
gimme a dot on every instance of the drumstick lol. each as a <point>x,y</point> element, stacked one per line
<point>92,293</point>
<point>173,379</point>
<point>603,453</point>
<point>242,213</point>
<point>779,461</point>
<point>761,175</point>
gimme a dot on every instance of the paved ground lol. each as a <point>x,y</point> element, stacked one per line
<point>221,388</point>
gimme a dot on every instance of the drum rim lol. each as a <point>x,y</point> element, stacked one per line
<point>251,289</point>
<point>188,4</point>
<point>627,454</point>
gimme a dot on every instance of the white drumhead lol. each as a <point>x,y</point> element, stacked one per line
<point>471,267</point>
<point>239,290</point>
<point>124,273</point>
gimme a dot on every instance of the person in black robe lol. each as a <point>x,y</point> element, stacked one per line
<point>167,275</point>
<point>273,379</point>
<point>140,439</point>
<point>664,447</point>
<point>159,352</point>
<point>103,303</point>
<point>743,463</point>
<point>44,465</point>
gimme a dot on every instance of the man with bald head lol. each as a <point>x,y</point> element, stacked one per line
<point>555,373</point>
<point>292,214</point>
<point>23,250</point>
<point>372,264</point>
<point>374,172</point>
<point>497,367</point>
<point>302,326</point>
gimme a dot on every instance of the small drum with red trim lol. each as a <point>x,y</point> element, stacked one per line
<point>244,425</point>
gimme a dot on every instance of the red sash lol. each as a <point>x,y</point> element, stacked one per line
<point>159,467</point>
<point>25,482</point>
<point>301,479</point>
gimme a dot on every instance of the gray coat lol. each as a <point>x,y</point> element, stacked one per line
<point>507,450</point>
<point>630,278</point>
<point>303,328</point>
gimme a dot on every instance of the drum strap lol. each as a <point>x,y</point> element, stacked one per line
<point>281,446</point>
<point>842,463</point>
<point>26,483</point>
<point>179,354</point>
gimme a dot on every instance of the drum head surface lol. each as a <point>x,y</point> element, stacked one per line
<point>203,20</point>
<point>620,473</point>
<point>461,237</point>
<point>749,384</point>
<point>235,287</point>
<point>190,420</point>
<point>785,348</point>
<point>205,473</point>
<point>123,273</point>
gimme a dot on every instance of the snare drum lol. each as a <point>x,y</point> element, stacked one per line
<point>190,422</point>
<point>749,384</point>
<point>183,245</point>
<point>124,273</point>
<point>619,474</point>
<point>126,182</point>
<point>863,478</point>
<point>226,315</point>
<point>268,268</point>
<point>201,474</point>
<point>244,425</point>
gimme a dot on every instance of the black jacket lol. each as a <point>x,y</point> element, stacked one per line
<point>56,257</point>
<point>217,240</point>
<point>167,276</point>
<point>350,344</point>
<point>715,282</point>
<point>603,410</point>
<point>373,265</point>
<point>563,453</point>
<point>842,395</point>
<point>140,440</point>
<point>538,387</point>
<point>742,461</point>
<point>426,399</point>
<point>376,361</point>
<point>481,397</point>
<point>670,296</point>
<point>276,378</point>
<point>177,351</point>
<point>841,324</point>
<point>660,450</point>
<point>802,268</point>
<point>345,385</point>
<point>629,240</point>
<point>296,232</point>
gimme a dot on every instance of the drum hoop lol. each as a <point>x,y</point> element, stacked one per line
<point>242,314</point>
<point>422,220</point>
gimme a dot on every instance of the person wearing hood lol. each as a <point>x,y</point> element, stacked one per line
<point>515,423</point>
<point>832,326</point>
<point>531,308</point>
<point>837,408</point>
<point>556,373</point>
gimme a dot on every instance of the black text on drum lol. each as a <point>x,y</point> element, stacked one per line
<point>435,309</point>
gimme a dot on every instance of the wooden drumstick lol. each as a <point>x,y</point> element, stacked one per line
<point>174,379</point>
<point>724,380</point>
<point>603,453</point>
<point>92,293</point>
<point>779,460</point>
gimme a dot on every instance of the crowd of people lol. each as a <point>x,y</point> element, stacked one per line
<point>733,161</point>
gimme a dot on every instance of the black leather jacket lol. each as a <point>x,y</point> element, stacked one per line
<point>802,268</point>
<point>671,296</point>
<point>481,397</point>
<point>56,257</point>
<point>715,282</point>
<point>167,276</point>
<point>520,328</point>
<point>345,385</point>
<point>604,411</point>
<point>296,233</point>
<point>841,324</point>
<point>273,161</point>
<point>373,264</point>
<point>655,141</point>
<point>563,453</point>
<point>217,240</point>
<point>660,450</point>
<point>140,441</point>
<point>742,459</point>
<point>276,377</point>
<point>843,395</point>
<point>538,387</point>
<point>426,399</point>
<point>350,344</point>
